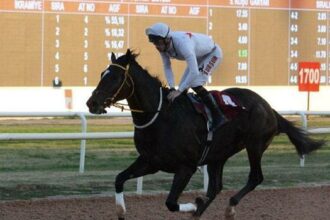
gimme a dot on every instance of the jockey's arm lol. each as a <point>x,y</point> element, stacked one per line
<point>168,70</point>
<point>191,71</point>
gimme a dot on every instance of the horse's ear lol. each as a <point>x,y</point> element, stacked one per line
<point>113,57</point>
<point>128,54</point>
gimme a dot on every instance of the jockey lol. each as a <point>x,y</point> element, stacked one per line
<point>202,55</point>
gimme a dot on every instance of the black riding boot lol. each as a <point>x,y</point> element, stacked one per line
<point>218,118</point>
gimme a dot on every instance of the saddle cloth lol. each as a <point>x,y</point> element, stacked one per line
<point>227,103</point>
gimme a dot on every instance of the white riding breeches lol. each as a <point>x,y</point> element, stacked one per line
<point>206,66</point>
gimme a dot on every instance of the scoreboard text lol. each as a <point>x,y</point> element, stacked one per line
<point>263,41</point>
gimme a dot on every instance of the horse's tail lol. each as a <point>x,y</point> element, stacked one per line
<point>299,137</point>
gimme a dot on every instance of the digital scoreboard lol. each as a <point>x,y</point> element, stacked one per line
<point>71,41</point>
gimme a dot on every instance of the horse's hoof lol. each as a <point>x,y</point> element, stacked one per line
<point>230,213</point>
<point>201,205</point>
<point>120,212</point>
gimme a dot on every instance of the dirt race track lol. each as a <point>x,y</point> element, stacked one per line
<point>311,203</point>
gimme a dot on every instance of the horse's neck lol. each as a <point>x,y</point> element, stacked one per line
<point>146,94</point>
<point>146,100</point>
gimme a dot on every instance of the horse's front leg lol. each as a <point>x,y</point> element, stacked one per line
<point>180,181</point>
<point>139,168</point>
<point>214,171</point>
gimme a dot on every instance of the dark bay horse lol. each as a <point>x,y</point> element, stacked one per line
<point>171,137</point>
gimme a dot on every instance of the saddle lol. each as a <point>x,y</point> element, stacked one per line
<point>229,105</point>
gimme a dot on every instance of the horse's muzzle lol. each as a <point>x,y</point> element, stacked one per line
<point>94,107</point>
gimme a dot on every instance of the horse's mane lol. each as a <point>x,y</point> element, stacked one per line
<point>132,61</point>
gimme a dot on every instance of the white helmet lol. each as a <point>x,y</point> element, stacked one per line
<point>157,31</point>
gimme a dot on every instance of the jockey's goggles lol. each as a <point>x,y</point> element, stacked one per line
<point>155,38</point>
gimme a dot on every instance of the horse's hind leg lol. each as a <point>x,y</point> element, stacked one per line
<point>255,177</point>
<point>137,169</point>
<point>180,181</point>
<point>214,171</point>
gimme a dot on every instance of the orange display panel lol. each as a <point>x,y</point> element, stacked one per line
<point>70,40</point>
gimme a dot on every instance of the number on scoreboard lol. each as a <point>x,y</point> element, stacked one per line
<point>309,76</point>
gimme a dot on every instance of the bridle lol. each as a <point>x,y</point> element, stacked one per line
<point>110,101</point>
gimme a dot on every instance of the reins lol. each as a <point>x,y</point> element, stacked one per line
<point>123,107</point>
<point>157,113</point>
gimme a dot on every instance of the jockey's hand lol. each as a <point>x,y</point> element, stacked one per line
<point>173,94</point>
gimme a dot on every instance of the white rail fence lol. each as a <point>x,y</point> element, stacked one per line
<point>83,135</point>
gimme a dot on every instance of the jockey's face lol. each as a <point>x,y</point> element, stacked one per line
<point>162,45</point>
